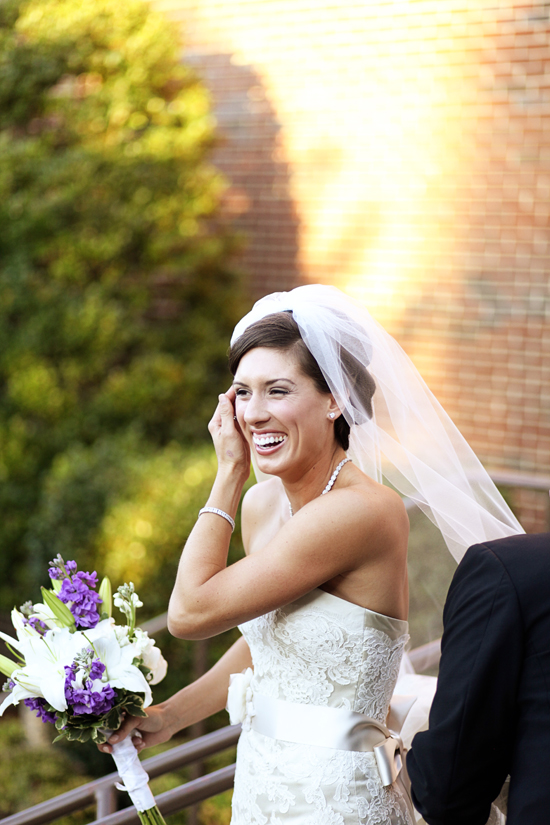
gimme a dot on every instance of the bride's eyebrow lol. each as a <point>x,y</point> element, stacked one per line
<point>267,383</point>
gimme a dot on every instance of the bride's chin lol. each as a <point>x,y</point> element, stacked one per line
<point>271,463</point>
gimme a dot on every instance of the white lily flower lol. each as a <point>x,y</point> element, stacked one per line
<point>117,655</point>
<point>18,621</point>
<point>15,696</point>
<point>46,657</point>
<point>15,643</point>
<point>104,628</point>
<point>46,615</point>
<point>43,674</point>
<point>23,629</point>
<point>120,671</point>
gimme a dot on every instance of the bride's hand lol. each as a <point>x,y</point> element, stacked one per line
<point>231,447</point>
<point>152,729</point>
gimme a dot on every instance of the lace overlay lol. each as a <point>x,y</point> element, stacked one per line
<point>319,650</point>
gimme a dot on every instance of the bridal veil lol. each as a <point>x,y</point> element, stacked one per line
<point>410,441</point>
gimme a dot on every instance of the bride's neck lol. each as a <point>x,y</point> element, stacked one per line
<point>313,480</point>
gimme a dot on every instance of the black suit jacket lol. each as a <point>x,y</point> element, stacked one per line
<point>491,712</point>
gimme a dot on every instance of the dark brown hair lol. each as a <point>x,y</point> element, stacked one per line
<point>280,331</point>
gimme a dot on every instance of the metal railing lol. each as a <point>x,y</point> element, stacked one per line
<point>518,478</point>
<point>102,794</point>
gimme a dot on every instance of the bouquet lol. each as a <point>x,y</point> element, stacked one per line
<point>82,672</point>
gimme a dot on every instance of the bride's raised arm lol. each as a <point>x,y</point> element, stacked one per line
<point>360,525</point>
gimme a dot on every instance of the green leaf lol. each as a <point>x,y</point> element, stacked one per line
<point>57,584</point>
<point>60,610</point>
<point>7,666</point>
<point>15,653</point>
<point>135,710</point>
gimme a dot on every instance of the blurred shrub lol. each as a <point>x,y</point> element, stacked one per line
<point>116,300</point>
<point>29,778</point>
<point>431,568</point>
<point>126,509</point>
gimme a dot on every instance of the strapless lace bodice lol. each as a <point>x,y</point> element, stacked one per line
<point>322,651</point>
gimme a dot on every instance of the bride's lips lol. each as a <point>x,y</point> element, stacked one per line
<point>267,443</point>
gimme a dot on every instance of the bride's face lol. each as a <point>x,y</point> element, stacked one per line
<point>281,412</point>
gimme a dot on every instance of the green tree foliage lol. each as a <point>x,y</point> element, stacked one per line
<point>126,509</point>
<point>116,299</point>
<point>28,778</point>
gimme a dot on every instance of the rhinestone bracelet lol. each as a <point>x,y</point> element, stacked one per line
<point>221,513</point>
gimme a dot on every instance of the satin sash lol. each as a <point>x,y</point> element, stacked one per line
<point>328,727</point>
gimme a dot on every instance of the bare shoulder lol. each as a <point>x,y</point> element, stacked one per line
<point>390,514</point>
<point>383,510</point>
<point>370,514</point>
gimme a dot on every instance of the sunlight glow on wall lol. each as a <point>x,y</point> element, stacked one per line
<point>369,139</point>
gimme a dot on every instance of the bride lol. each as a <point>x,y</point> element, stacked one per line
<point>325,403</point>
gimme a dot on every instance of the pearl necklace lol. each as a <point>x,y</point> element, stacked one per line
<point>330,484</point>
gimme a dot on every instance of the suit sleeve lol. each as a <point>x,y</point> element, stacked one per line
<point>457,767</point>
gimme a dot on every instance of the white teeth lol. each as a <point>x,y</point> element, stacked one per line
<point>268,440</point>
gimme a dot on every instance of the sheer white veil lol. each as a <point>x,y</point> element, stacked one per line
<point>410,440</point>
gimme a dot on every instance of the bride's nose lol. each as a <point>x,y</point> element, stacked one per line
<point>255,409</point>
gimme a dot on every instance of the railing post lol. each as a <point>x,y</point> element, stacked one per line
<point>105,797</point>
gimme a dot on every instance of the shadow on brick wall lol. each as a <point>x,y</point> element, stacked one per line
<point>251,153</point>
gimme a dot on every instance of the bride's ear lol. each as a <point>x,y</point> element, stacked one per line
<point>334,410</point>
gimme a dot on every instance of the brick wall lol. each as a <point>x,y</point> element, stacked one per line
<point>401,151</point>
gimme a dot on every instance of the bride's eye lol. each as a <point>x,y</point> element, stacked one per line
<point>278,391</point>
<point>240,393</point>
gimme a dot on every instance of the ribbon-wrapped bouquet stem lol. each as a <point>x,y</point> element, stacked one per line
<point>82,672</point>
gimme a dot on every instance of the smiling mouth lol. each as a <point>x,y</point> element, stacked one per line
<point>268,443</point>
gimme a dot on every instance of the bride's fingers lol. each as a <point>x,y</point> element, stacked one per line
<point>215,422</point>
<point>227,412</point>
<point>138,740</point>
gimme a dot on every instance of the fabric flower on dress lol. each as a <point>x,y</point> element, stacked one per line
<point>239,698</point>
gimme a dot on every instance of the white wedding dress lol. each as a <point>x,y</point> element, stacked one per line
<point>318,653</point>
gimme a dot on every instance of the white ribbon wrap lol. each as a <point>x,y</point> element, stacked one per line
<point>134,777</point>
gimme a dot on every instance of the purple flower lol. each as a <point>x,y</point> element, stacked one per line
<point>36,624</point>
<point>82,600</point>
<point>94,702</point>
<point>79,686</point>
<point>77,590</point>
<point>61,570</point>
<point>38,705</point>
<point>97,669</point>
<point>88,578</point>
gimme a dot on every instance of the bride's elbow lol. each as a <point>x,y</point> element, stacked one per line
<point>189,625</point>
